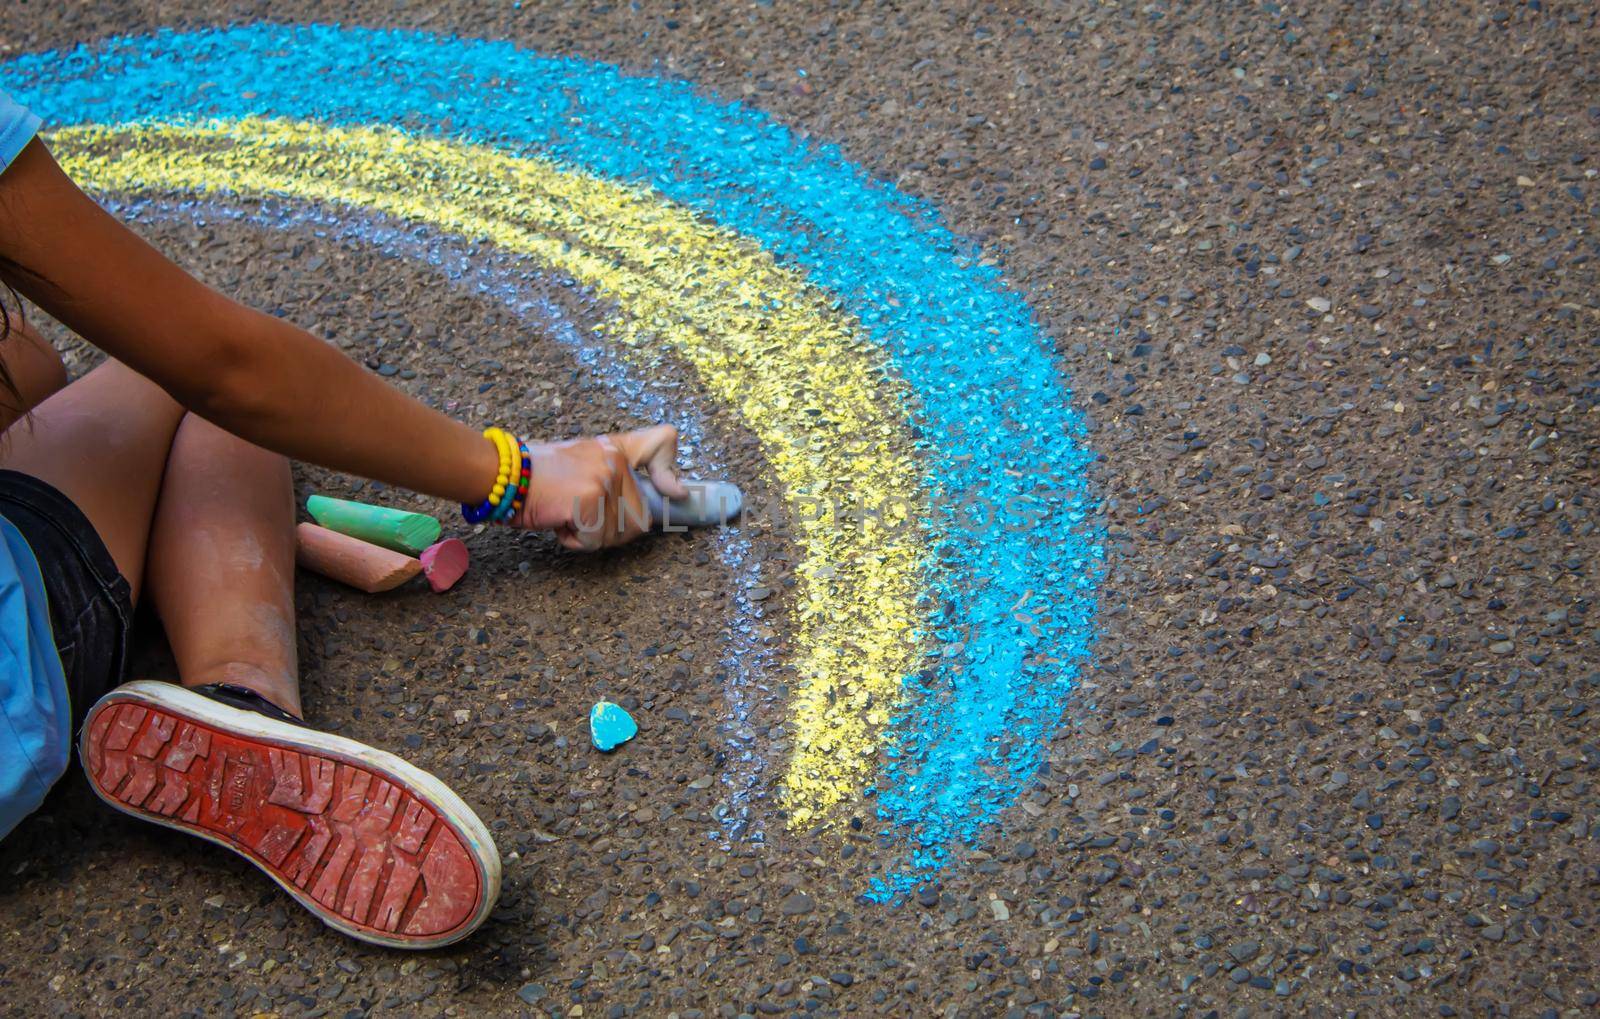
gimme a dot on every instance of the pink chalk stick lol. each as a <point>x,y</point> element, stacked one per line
<point>444,563</point>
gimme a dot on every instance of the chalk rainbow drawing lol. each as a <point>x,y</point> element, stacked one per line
<point>882,364</point>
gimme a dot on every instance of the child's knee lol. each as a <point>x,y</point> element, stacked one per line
<point>220,443</point>
<point>32,366</point>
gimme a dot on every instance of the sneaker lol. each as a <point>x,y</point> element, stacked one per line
<point>375,847</point>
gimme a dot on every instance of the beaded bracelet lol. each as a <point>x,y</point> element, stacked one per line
<point>507,447</point>
<point>521,495</point>
<point>503,509</point>
<point>506,481</point>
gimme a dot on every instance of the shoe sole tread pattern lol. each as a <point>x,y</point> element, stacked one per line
<point>362,847</point>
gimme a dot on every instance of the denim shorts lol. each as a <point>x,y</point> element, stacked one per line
<point>91,604</point>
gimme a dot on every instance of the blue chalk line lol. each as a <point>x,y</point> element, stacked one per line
<point>1013,615</point>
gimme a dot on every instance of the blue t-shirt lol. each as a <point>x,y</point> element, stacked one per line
<point>18,125</point>
<point>35,715</point>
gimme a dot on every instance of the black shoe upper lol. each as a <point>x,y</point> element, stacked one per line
<point>247,700</point>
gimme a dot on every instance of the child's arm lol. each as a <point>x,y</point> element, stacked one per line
<point>259,377</point>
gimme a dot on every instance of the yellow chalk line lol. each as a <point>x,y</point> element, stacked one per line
<point>764,341</point>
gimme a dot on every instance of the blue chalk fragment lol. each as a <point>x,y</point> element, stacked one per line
<point>610,726</point>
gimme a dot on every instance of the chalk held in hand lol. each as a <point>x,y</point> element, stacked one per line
<point>444,563</point>
<point>396,529</point>
<point>610,726</point>
<point>352,561</point>
<point>708,504</point>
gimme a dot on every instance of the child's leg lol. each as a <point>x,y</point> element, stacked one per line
<point>102,442</point>
<point>372,845</point>
<point>221,563</point>
<point>221,545</point>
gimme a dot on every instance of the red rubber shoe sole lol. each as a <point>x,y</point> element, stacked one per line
<point>375,847</point>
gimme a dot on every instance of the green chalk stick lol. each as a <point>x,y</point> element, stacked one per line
<point>397,529</point>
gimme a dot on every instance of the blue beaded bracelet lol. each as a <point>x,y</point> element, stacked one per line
<point>502,513</point>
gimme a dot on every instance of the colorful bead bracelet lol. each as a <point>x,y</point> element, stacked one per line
<point>521,494</point>
<point>510,481</point>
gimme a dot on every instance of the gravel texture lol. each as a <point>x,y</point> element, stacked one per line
<point>1324,282</point>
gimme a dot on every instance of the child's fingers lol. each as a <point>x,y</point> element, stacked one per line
<point>656,450</point>
<point>632,516</point>
<point>664,475</point>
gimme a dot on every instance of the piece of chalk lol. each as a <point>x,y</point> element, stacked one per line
<point>444,563</point>
<point>610,726</point>
<point>360,564</point>
<point>708,504</point>
<point>397,529</point>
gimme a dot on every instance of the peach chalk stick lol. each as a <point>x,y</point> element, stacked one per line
<point>352,561</point>
<point>444,563</point>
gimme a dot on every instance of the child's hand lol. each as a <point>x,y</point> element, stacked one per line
<point>583,489</point>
